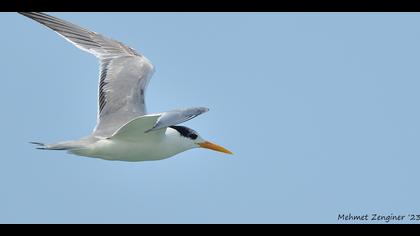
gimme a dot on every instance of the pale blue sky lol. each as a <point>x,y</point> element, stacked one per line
<point>320,109</point>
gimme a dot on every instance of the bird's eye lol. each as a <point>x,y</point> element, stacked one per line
<point>193,136</point>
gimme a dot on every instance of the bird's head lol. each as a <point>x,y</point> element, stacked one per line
<point>193,140</point>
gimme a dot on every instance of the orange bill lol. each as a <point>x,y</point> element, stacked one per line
<point>214,147</point>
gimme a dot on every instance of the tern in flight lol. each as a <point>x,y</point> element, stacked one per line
<point>124,131</point>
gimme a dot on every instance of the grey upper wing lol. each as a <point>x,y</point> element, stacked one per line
<point>124,73</point>
<point>177,116</point>
<point>139,126</point>
<point>122,90</point>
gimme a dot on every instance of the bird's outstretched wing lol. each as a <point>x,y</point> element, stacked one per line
<point>139,126</point>
<point>176,116</point>
<point>124,73</point>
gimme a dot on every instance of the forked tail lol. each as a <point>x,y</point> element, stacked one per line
<point>68,145</point>
<point>40,145</point>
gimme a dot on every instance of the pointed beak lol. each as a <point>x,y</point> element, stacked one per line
<point>214,147</point>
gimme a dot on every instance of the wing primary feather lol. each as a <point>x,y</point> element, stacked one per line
<point>123,77</point>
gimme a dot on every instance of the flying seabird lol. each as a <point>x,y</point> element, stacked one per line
<point>124,130</point>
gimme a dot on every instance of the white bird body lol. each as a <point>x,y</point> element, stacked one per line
<point>124,131</point>
<point>152,146</point>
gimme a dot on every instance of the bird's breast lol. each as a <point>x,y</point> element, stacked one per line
<point>123,150</point>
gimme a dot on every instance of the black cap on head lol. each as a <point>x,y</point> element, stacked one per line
<point>185,132</point>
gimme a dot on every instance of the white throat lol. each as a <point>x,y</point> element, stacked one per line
<point>177,143</point>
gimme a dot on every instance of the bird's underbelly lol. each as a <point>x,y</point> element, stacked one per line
<point>128,150</point>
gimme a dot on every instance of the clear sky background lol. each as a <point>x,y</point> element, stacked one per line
<point>320,109</point>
